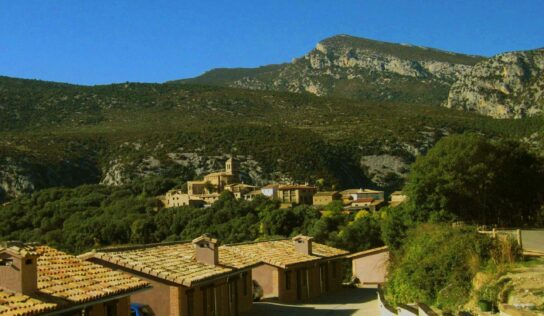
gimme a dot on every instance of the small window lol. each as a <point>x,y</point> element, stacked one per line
<point>28,261</point>
<point>287,280</point>
<point>6,262</point>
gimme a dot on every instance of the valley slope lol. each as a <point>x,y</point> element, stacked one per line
<point>54,134</point>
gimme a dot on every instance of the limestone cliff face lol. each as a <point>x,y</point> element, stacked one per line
<point>120,173</point>
<point>356,68</point>
<point>509,85</point>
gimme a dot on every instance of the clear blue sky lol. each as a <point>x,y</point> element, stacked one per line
<point>99,41</point>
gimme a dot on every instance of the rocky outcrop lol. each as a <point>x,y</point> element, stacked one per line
<point>359,68</point>
<point>191,163</point>
<point>509,85</point>
<point>385,171</point>
<point>15,180</point>
<point>22,175</point>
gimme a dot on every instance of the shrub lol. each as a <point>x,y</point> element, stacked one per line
<point>436,265</point>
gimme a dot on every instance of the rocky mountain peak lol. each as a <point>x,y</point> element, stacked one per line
<point>357,68</point>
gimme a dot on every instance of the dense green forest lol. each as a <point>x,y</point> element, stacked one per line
<point>91,216</point>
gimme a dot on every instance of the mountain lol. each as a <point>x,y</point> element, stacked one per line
<point>54,134</point>
<point>509,85</point>
<point>356,68</point>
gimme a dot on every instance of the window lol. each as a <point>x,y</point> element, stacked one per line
<point>287,280</point>
<point>28,261</point>
<point>6,262</point>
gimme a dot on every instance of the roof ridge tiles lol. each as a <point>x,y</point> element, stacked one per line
<point>256,242</point>
<point>140,246</point>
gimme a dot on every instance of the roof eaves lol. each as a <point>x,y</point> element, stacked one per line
<point>367,252</point>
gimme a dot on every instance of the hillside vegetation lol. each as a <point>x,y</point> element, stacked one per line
<point>65,135</point>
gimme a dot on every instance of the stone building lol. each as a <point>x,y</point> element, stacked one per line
<point>323,198</point>
<point>216,181</point>
<point>40,280</point>
<point>294,194</point>
<point>294,270</point>
<point>176,198</point>
<point>356,194</point>
<point>240,189</point>
<point>397,198</point>
<point>189,278</point>
<point>207,191</point>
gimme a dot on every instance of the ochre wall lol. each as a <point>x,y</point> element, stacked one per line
<point>371,268</point>
<point>267,277</point>
<point>273,280</point>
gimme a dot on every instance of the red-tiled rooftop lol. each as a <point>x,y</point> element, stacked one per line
<point>63,281</point>
<point>175,262</point>
<point>282,253</point>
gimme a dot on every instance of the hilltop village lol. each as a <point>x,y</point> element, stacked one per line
<point>203,193</point>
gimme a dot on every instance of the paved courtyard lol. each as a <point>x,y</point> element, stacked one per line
<point>345,302</point>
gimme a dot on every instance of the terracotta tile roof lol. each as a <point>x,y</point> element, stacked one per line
<point>73,279</point>
<point>254,192</point>
<point>326,193</point>
<point>282,253</point>
<point>65,280</point>
<point>19,248</point>
<point>175,262</point>
<point>296,187</point>
<point>368,252</point>
<point>363,200</point>
<point>354,191</point>
<point>220,173</point>
<point>17,304</point>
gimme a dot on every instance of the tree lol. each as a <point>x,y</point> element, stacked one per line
<point>478,181</point>
<point>360,234</point>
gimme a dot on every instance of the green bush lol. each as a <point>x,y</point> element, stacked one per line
<point>436,265</point>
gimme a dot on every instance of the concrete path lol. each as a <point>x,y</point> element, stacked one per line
<point>343,303</point>
<point>533,239</point>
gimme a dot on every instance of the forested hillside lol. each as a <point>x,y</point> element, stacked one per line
<point>65,135</point>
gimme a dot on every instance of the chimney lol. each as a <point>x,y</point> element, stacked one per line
<point>303,244</point>
<point>18,267</point>
<point>206,250</point>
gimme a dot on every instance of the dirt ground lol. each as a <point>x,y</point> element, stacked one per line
<point>351,301</point>
<point>527,283</point>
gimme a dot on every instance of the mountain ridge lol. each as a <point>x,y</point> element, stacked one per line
<point>356,68</point>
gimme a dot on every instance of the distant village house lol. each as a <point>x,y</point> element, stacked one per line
<point>324,198</point>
